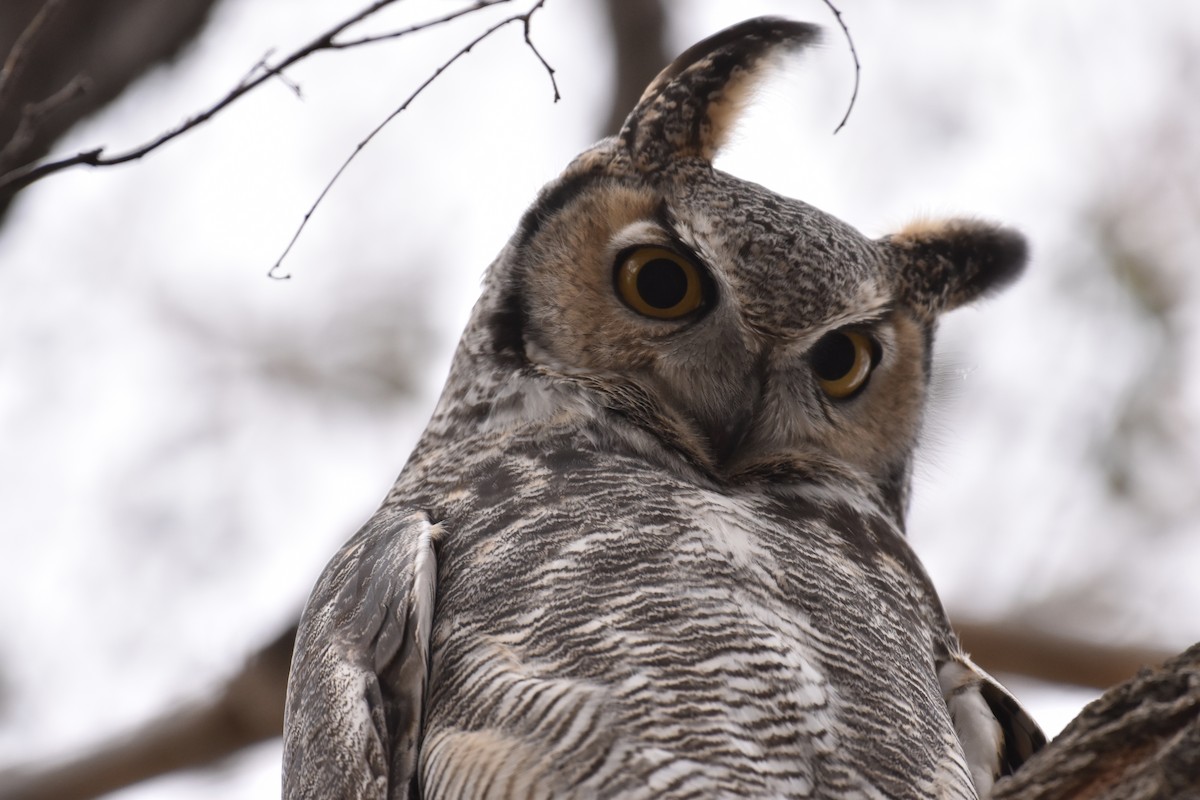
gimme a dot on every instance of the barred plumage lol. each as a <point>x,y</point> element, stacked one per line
<point>645,552</point>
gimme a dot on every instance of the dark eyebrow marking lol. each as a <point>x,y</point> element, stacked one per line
<point>506,325</point>
<point>506,329</point>
<point>874,317</point>
<point>550,203</point>
<point>664,217</point>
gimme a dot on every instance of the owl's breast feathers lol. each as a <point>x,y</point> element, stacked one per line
<point>631,631</point>
<point>605,627</point>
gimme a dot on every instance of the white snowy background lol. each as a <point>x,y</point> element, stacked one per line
<point>184,442</point>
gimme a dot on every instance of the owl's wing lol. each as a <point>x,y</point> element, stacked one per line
<point>357,686</point>
<point>997,734</point>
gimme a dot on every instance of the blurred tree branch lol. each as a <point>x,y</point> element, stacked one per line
<point>1017,648</point>
<point>20,169</point>
<point>65,59</point>
<point>249,709</point>
<point>246,710</point>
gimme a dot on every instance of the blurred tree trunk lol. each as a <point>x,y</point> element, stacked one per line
<point>640,50</point>
<point>65,59</point>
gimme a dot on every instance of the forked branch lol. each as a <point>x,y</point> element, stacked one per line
<point>24,175</point>
<point>522,18</point>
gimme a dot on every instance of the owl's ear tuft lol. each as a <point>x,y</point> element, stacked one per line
<point>689,110</point>
<point>943,264</point>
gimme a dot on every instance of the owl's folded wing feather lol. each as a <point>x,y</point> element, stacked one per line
<point>997,734</point>
<point>357,687</point>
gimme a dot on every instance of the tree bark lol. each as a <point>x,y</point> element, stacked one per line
<point>1140,741</point>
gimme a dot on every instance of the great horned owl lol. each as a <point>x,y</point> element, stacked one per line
<point>651,544</point>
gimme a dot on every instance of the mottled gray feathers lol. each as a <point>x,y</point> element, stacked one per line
<point>650,545</point>
<point>361,664</point>
<point>944,264</point>
<point>688,110</point>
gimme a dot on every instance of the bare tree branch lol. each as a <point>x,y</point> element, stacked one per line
<point>22,176</point>
<point>18,58</point>
<point>522,18</point>
<point>67,59</point>
<point>1019,649</point>
<point>248,709</point>
<point>32,116</point>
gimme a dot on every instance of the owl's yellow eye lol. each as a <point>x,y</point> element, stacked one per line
<point>843,361</point>
<point>659,283</point>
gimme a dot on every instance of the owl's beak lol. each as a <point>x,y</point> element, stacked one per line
<point>728,429</point>
<point>727,438</point>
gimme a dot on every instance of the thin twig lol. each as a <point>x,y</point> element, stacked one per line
<point>291,85</point>
<point>18,56</point>
<point>549,69</point>
<point>420,26</point>
<point>262,64</point>
<point>522,18</point>
<point>854,54</point>
<point>22,176</point>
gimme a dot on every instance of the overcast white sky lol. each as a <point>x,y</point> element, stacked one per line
<point>184,443</point>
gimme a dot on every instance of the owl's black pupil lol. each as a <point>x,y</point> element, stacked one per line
<point>662,283</point>
<point>833,356</point>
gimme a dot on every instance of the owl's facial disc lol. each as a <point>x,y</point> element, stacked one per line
<point>722,348</point>
<point>752,332</point>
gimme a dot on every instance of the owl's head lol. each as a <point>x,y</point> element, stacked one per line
<point>752,335</point>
